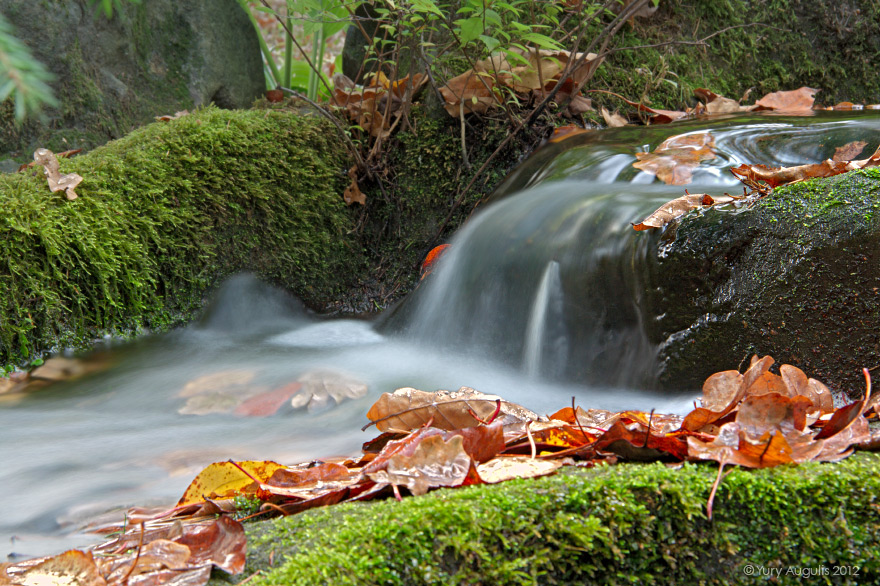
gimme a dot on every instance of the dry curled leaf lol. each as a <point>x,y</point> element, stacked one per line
<point>353,193</point>
<point>434,463</point>
<point>57,182</point>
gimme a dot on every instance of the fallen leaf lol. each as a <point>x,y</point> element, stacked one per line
<point>322,388</point>
<point>614,120</point>
<point>716,104</point>
<point>167,118</point>
<point>226,480</point>
<point>793,102</point>
<point>431,259</point>
<point>57,181</point>
<point>509,467</point>
<point>673,210</point>
<point>275,96</point>
<point>849,151</point>
<point>352,193</point>
<point>268,403</point>
<point>434,463</point>
<point>407,409</point>
<point>674,159</point>
<point>71,568</point>
<point>777,176</point>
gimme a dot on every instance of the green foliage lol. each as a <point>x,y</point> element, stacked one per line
<point>22,77</point>
<point>162,214</point>
<point>642,524</point>
<point>320,20</point>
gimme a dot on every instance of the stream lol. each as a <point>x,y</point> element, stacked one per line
<point>537,300</point>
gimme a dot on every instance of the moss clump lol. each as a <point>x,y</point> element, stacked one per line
<point>767,45</point>
<point>627,524</point>
<point>162,214</point>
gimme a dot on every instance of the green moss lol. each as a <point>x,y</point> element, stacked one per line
<point>639,524</point>
<point>766,45</point>
<point>162,214</point>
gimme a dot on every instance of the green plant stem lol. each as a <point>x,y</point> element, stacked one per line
<point>318,42</point>
<point>288,46</point>
<point>264,48</point>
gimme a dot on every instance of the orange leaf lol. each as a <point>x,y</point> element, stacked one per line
<point>794,101</point>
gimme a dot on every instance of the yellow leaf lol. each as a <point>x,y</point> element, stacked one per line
<point>226,480</point>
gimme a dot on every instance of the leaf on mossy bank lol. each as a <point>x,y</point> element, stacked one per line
<point>353,193</point>
<point>179,555</point>
<point>613,120</point>
<point>777,176</point>
<point>796,101</point>
<point>675,158</point>
<point>407,409</point>
<point>433,463</point>
<point>226,480</point>
<point>533,73</point>
<point>717,104</point>
<point>57,182</point>
<point>376,106</point>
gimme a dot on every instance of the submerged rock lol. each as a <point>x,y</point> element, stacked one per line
<point>796,277</point>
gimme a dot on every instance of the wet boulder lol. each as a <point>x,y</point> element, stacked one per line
<point>797,276</point>
<point>150,58</point>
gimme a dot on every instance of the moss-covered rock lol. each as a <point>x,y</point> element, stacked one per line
<point>763,45</point>
<point>626,524</point>
<point>796,277</point>
<point>149,59</point>
<point>163,214</point>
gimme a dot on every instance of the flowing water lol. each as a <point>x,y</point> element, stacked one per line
<point>539,300</point>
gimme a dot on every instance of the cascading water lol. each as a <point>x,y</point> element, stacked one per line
<point>545,334</point>
<point>540,298</point>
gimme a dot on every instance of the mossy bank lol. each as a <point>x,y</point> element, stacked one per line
<point>162,215</point>
<point>625,524</point>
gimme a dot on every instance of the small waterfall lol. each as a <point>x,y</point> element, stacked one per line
<point>546,307</point>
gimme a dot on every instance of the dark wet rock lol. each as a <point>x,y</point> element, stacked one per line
<point>149,59</point>
<point>797,277</point>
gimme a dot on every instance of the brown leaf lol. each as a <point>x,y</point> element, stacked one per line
<point>71,568</point>
<point>352,193</point>
<point>407,409</point>
<point>776,176</point>
<point>57,181</point>
<point>640,445</point>
<point>673,160</point>
<point>433,463</point>
<point>716,104</point>
<point>722,392</point>
<point>167,118</point>
<point>673,210</point>
<point>849,151</point>
<point>470,92</point>
<point>794,101</point>
<point>614,120</point>
<point>221,543</point>
<point>274,96</point>
<point>511,467</point>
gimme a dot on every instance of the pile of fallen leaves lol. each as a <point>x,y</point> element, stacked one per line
<point>755,419</point>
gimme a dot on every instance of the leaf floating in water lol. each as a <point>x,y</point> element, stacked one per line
<point>849,151</point>
<point>675,158</point>
<point>322,388</point>
<point>673,210</point>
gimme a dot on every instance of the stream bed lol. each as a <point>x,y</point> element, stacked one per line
<point>554,248</point>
